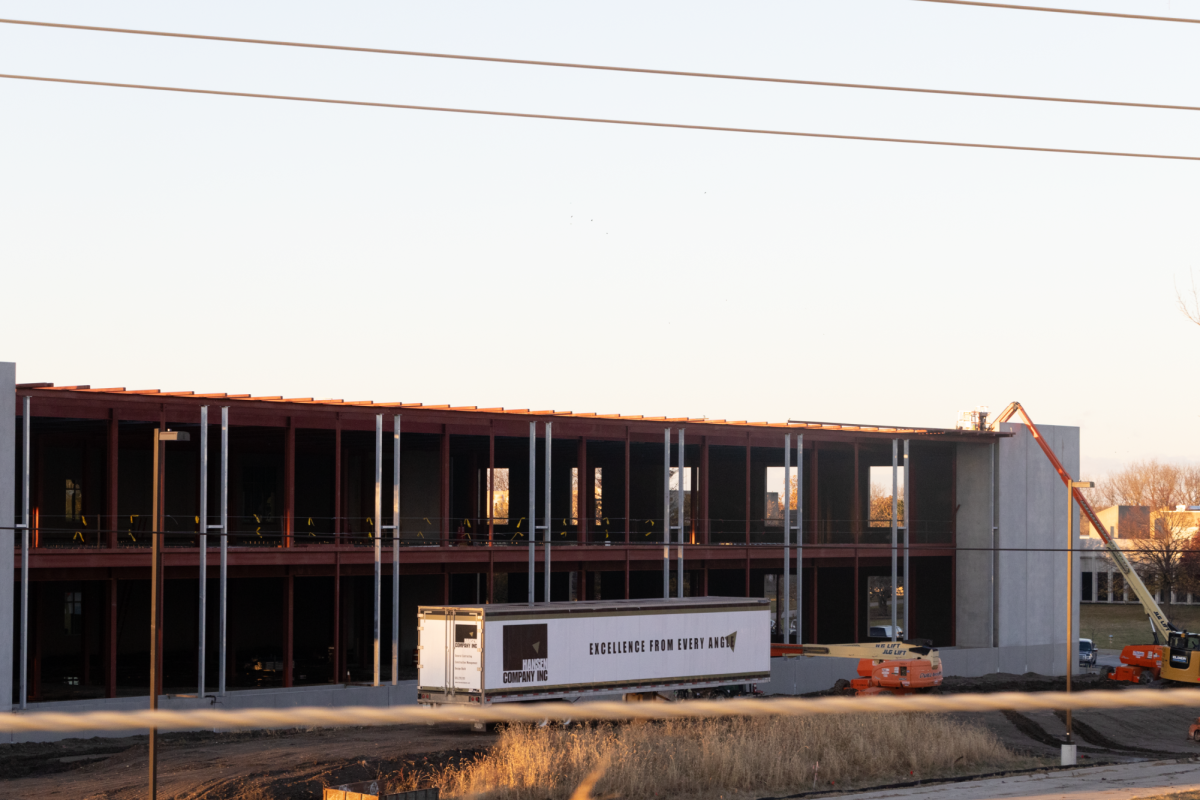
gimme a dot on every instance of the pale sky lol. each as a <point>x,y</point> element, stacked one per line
<point>151,240</point>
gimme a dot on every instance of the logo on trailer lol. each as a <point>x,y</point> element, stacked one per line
<point>466,636</point>
<point>526,650</point>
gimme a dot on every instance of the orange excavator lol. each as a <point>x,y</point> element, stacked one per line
<point>1175,654</point>
<point>883,667</point>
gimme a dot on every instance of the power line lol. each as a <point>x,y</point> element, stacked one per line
<point>1061,10</point>
<point>604,68</point>
<point>601,120</point>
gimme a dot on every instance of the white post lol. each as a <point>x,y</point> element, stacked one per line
<point>532,519</point>
<point>378,541</point>
<point>895,489</point>
<point>667,514</point>
<point>680,495</point>
<point>907,537</point>
<point>8,481</point>
<point>546,565</point>
<point>203,549</point>
<point>224,543</point>
<point>785,627</point>
<point>800,538</point>
<point>395,549</point>
<point>25,522</point>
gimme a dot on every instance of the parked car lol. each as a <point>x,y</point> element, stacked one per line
<point>1087,653</point>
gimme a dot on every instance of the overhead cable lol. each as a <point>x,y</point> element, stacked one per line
<point>602,120</point>
<point>1061,10</point>
<point>607,68</point>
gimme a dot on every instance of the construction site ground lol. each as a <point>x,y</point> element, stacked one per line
<point>295,764</point>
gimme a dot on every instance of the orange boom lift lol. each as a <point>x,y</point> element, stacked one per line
<point>1140,663</point>
<point>883,667</point>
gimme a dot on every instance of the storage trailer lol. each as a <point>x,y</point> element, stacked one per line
<point>569,650</point>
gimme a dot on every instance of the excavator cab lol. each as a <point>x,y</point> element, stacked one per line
<point>1182,662</point>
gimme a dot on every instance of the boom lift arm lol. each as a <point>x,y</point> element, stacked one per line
<point>1158,620</point>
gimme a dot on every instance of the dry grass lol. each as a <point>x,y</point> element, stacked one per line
<point>723,758</point>
<point>1127,623</point>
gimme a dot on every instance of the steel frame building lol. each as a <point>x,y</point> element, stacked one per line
<point>313,493</point>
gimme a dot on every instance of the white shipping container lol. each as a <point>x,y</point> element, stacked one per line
<point>498,653</point>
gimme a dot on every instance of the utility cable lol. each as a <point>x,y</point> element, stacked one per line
<point>602,120</point>
<point>605,68</point>
<point>1061,10</point>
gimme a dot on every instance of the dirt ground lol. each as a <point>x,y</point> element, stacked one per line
<point>296,765</point>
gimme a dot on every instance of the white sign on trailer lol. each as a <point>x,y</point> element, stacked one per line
<point>557,652</point>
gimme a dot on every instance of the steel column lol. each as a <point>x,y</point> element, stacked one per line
<point>337,478</point>
<point>224,579</point>
<point>378,541</point>
<point>532,518</point>
<point>203,550</point>
<point>800,538</point>
<point>628,526</point>
<point>666,555</point>
<point>680,494</point>
<point>895,489</point>
<point>25,443</point>
<point>395,549</point>
<point>289,627</point>
<point>546,557</point>
<point>907,536</point>
<point>114,432</point>
<point>785,626</point>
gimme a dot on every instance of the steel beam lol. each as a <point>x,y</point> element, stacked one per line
<point>395,549</point>
<point>546,557</point>
<point>680,495</point>
<point>378,542</point>
<point>532,518</point>
<point>25,517</point>
<point>224,580</point>
<point>200,656</point>
<point>666,555</point>
<point>907,538</point>
<point>785,627</point>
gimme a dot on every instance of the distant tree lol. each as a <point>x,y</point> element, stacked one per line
<point>881,508</point>
<point>1166,553</point>
<point>1161,486</point>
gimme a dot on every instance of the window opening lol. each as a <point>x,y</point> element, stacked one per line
<point>689,480</point>
<point>73,613</point>
<point>879,606</point>
<point>597,496</point>
<point>74,500</point>
<point>773,507</point>
<point>880,515</point>
<point>499,510</point>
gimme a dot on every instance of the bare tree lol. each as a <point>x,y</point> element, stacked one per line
<point>1150,483</point>
<point>1166,553</point>
<point>1189,306</point>
<point>881,508</point>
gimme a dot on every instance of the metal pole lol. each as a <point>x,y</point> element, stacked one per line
<point>800,538</point>
<point>155,592</point>
<point>907,537</point>
<point>992,521</point>
<point>679,501</point>
<point>667,514</point>
<point>378,540</point>
<point>785,627</point>
<point>395,549</point>
<point>546,559</point>
<point>1070,592</point>
<point>25,554</point>
<point>895,489</point>
<point>203,547</point>
<point>532,507</point>
<point>224,543</point>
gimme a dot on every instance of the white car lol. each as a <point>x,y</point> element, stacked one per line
<point>1087,653</point>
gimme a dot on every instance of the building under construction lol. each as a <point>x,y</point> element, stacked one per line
<point>298,495</point>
